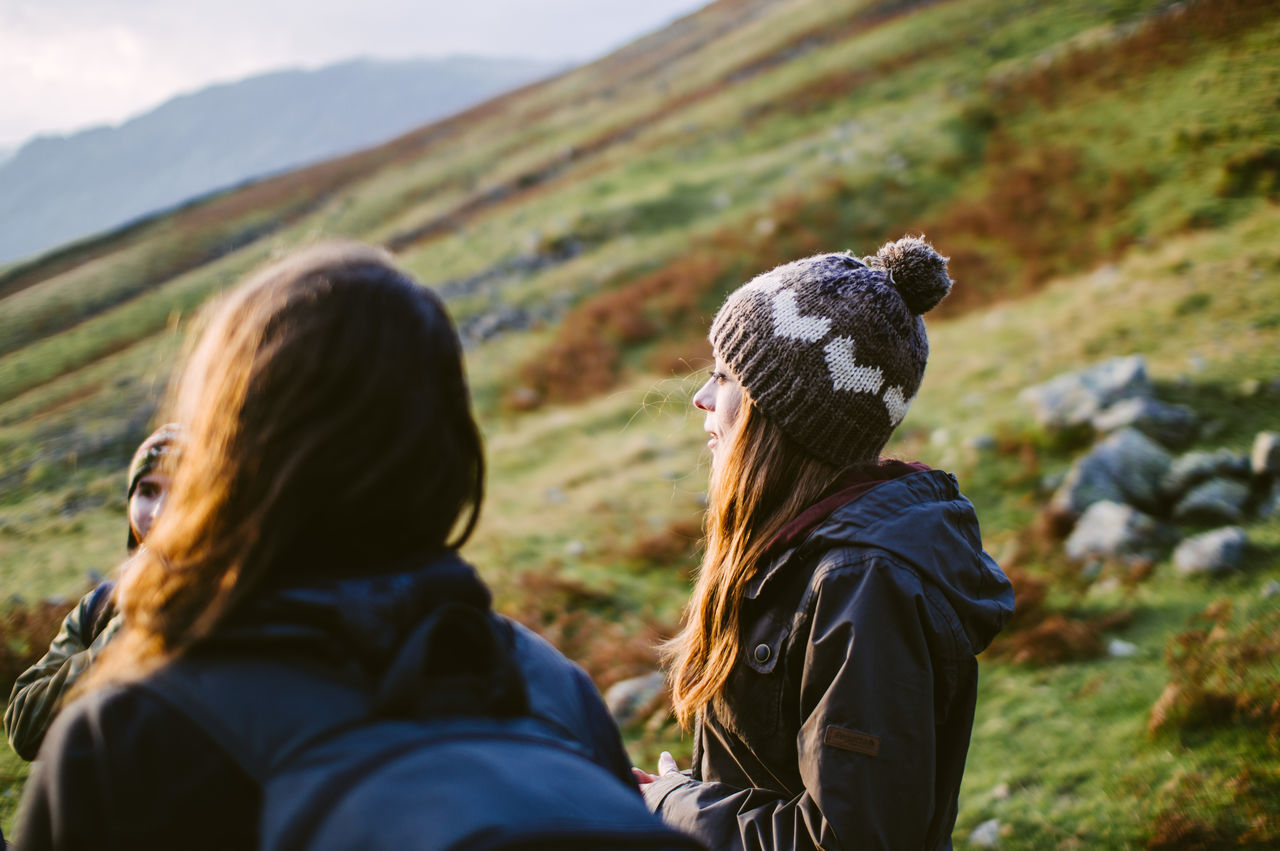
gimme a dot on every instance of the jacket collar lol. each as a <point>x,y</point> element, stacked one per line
<point>894,484</point>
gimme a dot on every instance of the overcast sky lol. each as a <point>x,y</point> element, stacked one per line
<point>69,64</point>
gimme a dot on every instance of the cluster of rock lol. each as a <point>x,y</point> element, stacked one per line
<point>1129,495</point>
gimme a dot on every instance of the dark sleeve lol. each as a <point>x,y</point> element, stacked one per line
<point>866,741</point>
<point>120,769</point>
<point>39,691</point>
<point>602,732</point>
<point>563,696</point>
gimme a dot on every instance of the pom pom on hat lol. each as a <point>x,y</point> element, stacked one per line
<point>918,272</point>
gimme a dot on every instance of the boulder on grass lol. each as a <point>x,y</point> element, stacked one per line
<point>1126,467</point>
<point>627,699</point>
<point>1270,505</point>
<point>1214,501</point>
<point>1212,553</point>
<point>1112,530</point>
<point>1191,469</point>
<point>1075,398</point>
<point>1173,426</point>
<point>1265,456</point>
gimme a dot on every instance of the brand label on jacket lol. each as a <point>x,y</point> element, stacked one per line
<point>852,740</point>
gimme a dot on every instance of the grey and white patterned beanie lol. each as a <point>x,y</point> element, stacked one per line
<point>833,348</point>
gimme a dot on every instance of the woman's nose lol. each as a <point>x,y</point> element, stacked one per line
<point>705,398</point>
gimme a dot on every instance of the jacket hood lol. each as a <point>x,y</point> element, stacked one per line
<point>923,520</point>
<point>360,620</point>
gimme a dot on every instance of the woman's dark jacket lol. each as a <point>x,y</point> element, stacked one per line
<point>121,768</point>
<point>846,720</point>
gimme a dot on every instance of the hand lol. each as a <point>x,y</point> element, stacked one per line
<point>666,765</point>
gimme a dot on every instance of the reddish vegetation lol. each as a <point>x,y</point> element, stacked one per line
<point>1222,674</point>
<point>1036,195</point>
<point>584,358</point>
<point>674,546</point>
<point>569,615</point>
<point>1190,823</point>
<point>1038,635</point>
<point>26,629</point>
<point>827,90</point>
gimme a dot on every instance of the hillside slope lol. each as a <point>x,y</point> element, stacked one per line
<point>1103,173</point>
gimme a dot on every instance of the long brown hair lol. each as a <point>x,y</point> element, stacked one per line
<point>329,432</point>
<point>763,480</point>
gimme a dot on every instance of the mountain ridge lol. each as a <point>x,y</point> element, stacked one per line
<point>59,188</point>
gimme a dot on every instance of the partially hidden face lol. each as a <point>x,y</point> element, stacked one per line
<point>146,503</point>
<point>720,398</point>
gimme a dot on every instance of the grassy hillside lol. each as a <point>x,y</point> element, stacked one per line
<point>1103,174</point>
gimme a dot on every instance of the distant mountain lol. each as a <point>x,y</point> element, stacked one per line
<point>54,189</point>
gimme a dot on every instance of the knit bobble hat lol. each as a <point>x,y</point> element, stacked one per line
<point>832,348</point>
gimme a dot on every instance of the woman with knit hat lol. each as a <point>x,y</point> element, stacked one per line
<point>38,693</point>
<point>826,659</point>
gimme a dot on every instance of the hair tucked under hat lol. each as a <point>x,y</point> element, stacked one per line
<point>832,348</point>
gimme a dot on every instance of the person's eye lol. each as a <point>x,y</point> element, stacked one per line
<point>719,377</point>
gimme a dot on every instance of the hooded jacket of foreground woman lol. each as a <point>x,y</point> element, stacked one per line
<point>331,469</point>
<point>828,651</point>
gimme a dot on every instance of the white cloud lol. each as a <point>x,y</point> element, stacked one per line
<point>67,64</point>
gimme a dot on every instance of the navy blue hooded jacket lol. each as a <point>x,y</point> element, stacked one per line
<point>123,768</point>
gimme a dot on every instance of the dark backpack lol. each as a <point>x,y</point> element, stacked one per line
<point>444,755</point>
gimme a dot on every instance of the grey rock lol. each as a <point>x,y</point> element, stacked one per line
<point>1075,398</point>
<point>1271,589</point>
<point>1212,553</point>
<point>1174,426</point>
<point>1119,649</point>
<point>1191,469</point>
<point>1112,529</point>
<point>1126,467</point>
<point>981,443</point>
<point>489,325</point>
<point>986,835</point>
<point>1270,505</point>
<point>1214,501</point>
<point>628,698</point>
<point>1265,457</point>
